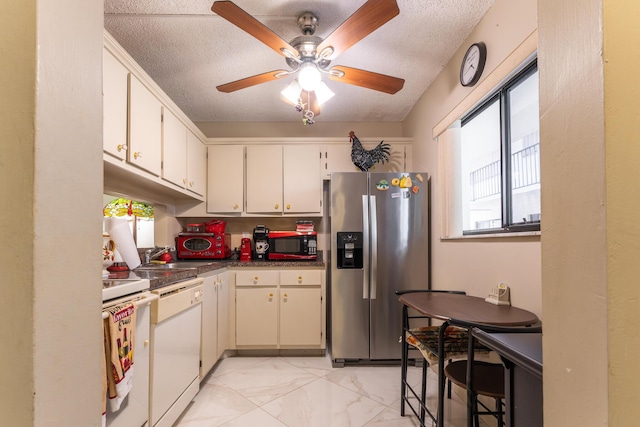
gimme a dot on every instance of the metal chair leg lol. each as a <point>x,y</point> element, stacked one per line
<point>405,356</point>
<point>423,393</point>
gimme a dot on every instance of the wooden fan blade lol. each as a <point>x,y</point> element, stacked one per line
<point>241,19</point>
<point>250,81</point>
<point>312,101</point>
<point>372,15</point>
<point>367,79</point>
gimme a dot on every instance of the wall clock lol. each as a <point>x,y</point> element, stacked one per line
<point>473,64</point>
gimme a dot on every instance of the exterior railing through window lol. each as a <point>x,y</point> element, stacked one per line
<point>525,170</point>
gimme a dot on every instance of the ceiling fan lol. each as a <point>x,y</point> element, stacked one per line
<point>310,55</point>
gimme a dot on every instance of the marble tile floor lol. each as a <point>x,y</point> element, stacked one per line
<point>307,391</point>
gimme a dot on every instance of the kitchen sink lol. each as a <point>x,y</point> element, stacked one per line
<point>173,265</point>
<point>169,266</point>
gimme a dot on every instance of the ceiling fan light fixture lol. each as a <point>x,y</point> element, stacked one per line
<point>292,92</point>
<point>326,52</point>
<point>336,73</point>
<point>309,76</point>
<point>323,93</point>
<point>289,54</point>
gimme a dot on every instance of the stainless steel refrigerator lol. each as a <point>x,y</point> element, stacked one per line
<point>379,244</point>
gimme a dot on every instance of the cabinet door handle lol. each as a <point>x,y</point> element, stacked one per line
<point>270,296</point>
<point>235,206</point>
<point>288,206</point>
<point>255,279</point>
<point>137,154</point>
<point>190,183</point>
<point>277,206</point>
<point>184,181</point>
<point>285,296</point>
<point>122,147</point>
<point>146,343</point>
<point>300,279</point>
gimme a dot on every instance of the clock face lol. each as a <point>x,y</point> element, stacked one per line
<point>473,64</point>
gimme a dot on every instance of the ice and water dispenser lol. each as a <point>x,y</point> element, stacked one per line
<point>349,249</point>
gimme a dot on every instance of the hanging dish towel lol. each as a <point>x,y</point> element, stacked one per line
<point>119,344</point>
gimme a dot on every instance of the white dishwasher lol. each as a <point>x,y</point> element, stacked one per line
<point>175,350</point>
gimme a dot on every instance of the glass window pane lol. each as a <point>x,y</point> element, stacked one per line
<point>525,151</point>
<point>481,166</point>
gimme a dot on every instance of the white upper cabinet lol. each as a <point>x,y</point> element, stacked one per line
<point>115,90</point>
<point>396,161</point>
<point>264,179</point>
<point>174,149</point>
<point>302,183</point>
<point>283,179</point>
<point>145,128</point>
<point>337,158</point>
<point>408,157</point>
<point>196,165</point>
<point>225,179</point>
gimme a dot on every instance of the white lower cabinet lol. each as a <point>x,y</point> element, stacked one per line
<point>223,313</point>
<point>300,317</point>
<point>280,309</point>
<point>215,322</point>
<point>257,316</point>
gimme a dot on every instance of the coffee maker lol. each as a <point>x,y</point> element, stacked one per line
<point>261,242</point>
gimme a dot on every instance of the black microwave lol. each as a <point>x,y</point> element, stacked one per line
<point>293,245</point>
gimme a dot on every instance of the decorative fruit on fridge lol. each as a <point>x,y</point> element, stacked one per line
<point>382,185</point>
<point>405,182</point>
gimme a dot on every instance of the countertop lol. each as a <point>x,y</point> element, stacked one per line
<point>159,277</point>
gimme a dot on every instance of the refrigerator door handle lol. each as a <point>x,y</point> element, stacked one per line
<point>374,246</point>
<point>365,246</point>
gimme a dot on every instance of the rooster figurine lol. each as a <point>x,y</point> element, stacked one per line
<point>364,159</point>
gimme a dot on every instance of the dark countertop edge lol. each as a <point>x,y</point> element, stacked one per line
<point>519,353</point>
<point>171,277</point>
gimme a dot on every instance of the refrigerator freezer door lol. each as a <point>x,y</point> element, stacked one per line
<point>402,255</point>
<point>349,288</point>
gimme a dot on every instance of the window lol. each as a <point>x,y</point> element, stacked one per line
<point>500,159</point>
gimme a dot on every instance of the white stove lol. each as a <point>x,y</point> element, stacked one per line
<point>124,288</point>
<point>116,288</point>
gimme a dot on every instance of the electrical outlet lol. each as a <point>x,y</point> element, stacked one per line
<point>499,295</point>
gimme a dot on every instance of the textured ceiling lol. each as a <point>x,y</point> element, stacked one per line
<point>188,51</point>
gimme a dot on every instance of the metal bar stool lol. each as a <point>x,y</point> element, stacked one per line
<point>426,339</point>
<point>481,378</point>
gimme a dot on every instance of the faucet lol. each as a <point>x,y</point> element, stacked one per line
<point>154,253</point>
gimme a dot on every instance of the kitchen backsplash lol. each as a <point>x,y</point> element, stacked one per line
<point>237,226</point>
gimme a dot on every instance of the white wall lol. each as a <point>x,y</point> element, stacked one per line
<point>475,265</point>
<point>622,35</point>
<point>51,186</point>
<point>589,120</point>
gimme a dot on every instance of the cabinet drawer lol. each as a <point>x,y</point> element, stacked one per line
<point>257,278</point>
<point>300,277</point>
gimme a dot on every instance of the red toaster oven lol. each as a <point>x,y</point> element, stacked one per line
<point>203,245</point>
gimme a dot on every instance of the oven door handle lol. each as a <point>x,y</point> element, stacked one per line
<point>142,301</point>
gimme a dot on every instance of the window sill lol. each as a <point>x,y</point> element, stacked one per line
<point>532,234</point>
